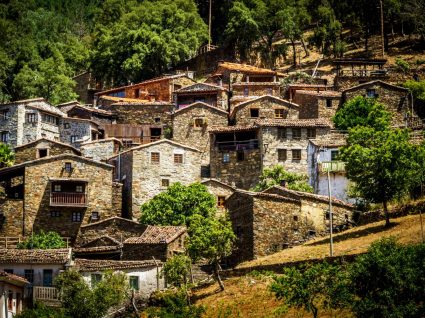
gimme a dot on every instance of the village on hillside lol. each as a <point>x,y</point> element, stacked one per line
<point>216,162</point>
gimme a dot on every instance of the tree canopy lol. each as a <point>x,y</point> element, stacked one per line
<point>43,240</point>
<point>7,157</point>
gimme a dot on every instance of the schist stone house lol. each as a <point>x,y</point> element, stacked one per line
<point>58,193</point>
<point>25,121</point>
<point>75,131</point>
<point>322,153</point>
<point>147,170</point>
<point>266,222</point>
<point>101,149</point>
<point>99,116</point>
<point>220,191</point>
<point>190,126</point>
<point>317,104</point>
<point>213,95</point>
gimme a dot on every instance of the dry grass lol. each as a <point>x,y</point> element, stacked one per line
<point>406,230</point>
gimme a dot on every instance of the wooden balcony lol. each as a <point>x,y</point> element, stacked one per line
<point>237,145</point>
<point>47,295</point>
<point>331,166</point>
<point>73,199</point>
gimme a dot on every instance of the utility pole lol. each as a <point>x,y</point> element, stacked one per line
<point>382,28</point>
<point>330,215</point>
<point>209,25</point>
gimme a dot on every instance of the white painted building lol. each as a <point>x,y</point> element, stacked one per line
<point>11,294</point>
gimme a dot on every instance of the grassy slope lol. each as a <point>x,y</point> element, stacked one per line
<point>249,297</point>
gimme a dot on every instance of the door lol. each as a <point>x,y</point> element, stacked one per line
<point>47,277</point>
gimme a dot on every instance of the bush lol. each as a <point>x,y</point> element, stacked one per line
<point>44,241</point>
<point>172,304</point>
<point>402,65</point>
<point>41,311</point>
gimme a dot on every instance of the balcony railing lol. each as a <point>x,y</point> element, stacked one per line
<point>237,145</point>
<point>332,166</point>
<point>45,294</point>
<point>11,242</point>
<point>68,199</point>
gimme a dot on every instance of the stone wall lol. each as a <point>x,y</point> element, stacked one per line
<point>28,153</point>
<point>12,210</point>
<point>308,105</point>
<point>218,189</point>
<point>100,150</point>
<point>80,128</point>
<point>256,89</point>
<point>185,132</point>
<point>342,83</point>
<point>11,123</point>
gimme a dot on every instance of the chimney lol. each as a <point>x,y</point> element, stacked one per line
<point>283,183</point>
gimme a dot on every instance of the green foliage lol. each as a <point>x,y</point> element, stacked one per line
<point>402,65</point>
<point>43,240</point>
<point>41,311</point>
<point>362,111</point>
<point>178,204</point>
<point>389,281</point>
<point>277,174</point>
<point>81,301</point>
<point>312,287</point>
<point>416,88</point>
<point>177,270</point>
<point>7,157</point>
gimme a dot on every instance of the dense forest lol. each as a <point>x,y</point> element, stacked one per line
<point>47,42</point>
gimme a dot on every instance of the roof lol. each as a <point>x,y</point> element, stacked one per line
<point>302,85</point>
<point>37,256</point>
<point>200,104</point>
<point>102,140</point>
<point>39,104</point>
<point>360,61</point>
<point>113,218</point>
<point>333,140</point>
<point>200,87</point>
<point>50,141</point>
<point>13,279</point>
<point>123,99</point>
<point>91,109</point>
<point>377,82</point>
<point>155,143</point>
<point>212,180</point>
<point>143,103</point>
<point>299,194</point>
<point>315,122</point>
<point>157,235</point>
<point>79,119</point>
<point>270,97</point>
<point>266,195</point>
<point>88,265</point>
<point>244,68</point>
<point>98,249</point>
<point>232,129</point>
<point>319,93</point>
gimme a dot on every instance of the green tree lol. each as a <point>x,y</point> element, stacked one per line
<point>362,111</point>
<point>7,157</point>
<point>81,301</point>
<point>210,239</point>
<point>43,240</point>
<point>40,310</point>
<point>381,163</point>
<point>389,281</point>
<point>177,271</point>
<point>417,88</point>
<point>312,287</point>
<point>178,204</point>
<point>277,174</point>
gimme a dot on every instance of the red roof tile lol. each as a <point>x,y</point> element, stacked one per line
<point>88,265</point>
<point>157,234</point>
<point>23,256</point>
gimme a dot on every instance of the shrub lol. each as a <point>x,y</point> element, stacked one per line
<point>43,240</point>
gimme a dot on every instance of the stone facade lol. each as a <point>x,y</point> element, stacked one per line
<point>96,115</point>
<point>342,83</point>
<point>160,251</point>
<point>148,170</point>
<point>264,107</point>
<point>46,208</point>
<point>313,104</point>
<point>216,96</point>
<point>42,148</point>
<point>75,131</point>
<point>221,192</point>
<point>256,89</point>
<point>187,129</point>
<point>102,149</point>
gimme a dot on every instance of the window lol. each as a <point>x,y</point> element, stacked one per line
<point>76,216</point>
<point>205,171</point>
<point>74,139</point>
<point>95,216</point>
<point>4,114</point>
<point>46,118</point>
<point>66,126</point>
<point>296,218</point>
<point>79,188</point>
<point>42,153</point>
<point>134,282</point>
<point>198,123</point>
<point>281,133</point>
<point>281,154</point>
<point>246,91</point>
<point>47,277</point>
<point>55,214</point>
<point>154,157</point>
<point>157,119</point>
<point>4,136</point>
<point>329,103</point>
<point>29,275</point>
<point>68,167</point>
<point>296,154</point>
<point>95,279</point>
<point>254,112</point>
<point>279,113</point>
<point>57,188</point>
<point>10,300</point>
<point>31,118</point>
<point>311,133</point>
<point>240,156</point>
<point>9,271</point>
<point>371,93</point>
<point>165,183</point>
<point>220,201</point>
<point>296,133</point>
<point>178,158</point>
<point>269,91</point>
<point>226,158</point>
<point>334,155</point>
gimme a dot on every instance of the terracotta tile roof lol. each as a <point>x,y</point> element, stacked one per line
<point>230,129</point>
<point>13,278</point>
<point>200,87</point>
<point>244,68</point>
<point>200,104</point>
<point>88,265</point>
<point>157,235</point>
<point>316,122</point>
<point>212,180</point>
<point>267,195</point>
<point>332,140</point>
<point>320,93</point>
<point>97,249</point>
<point>48,140</point>
<point>18,256</point>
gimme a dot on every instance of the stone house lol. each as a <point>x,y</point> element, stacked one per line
<point>317,104</point>
<point>398,101</point>
<point>87,86</point>
<point>220,191</point>
<point>213,95</point>
<point>322,154</point>
<point>292,89</point>
<point>99,116</point>
<point>101,149</point>
<point>149,169</point>
<point>144,277</point>
<point>267,222</point>
<point>57,193</point>
<point>12,289</point>
<point>41,148</point>
<point>264,107</point>
<point>190,126</point>
<point>75,131</point>
<point>25,121</point>
<point>156,89</point>
<point>284,141</point>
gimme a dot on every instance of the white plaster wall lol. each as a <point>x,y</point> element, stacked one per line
<point>19,269</point>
